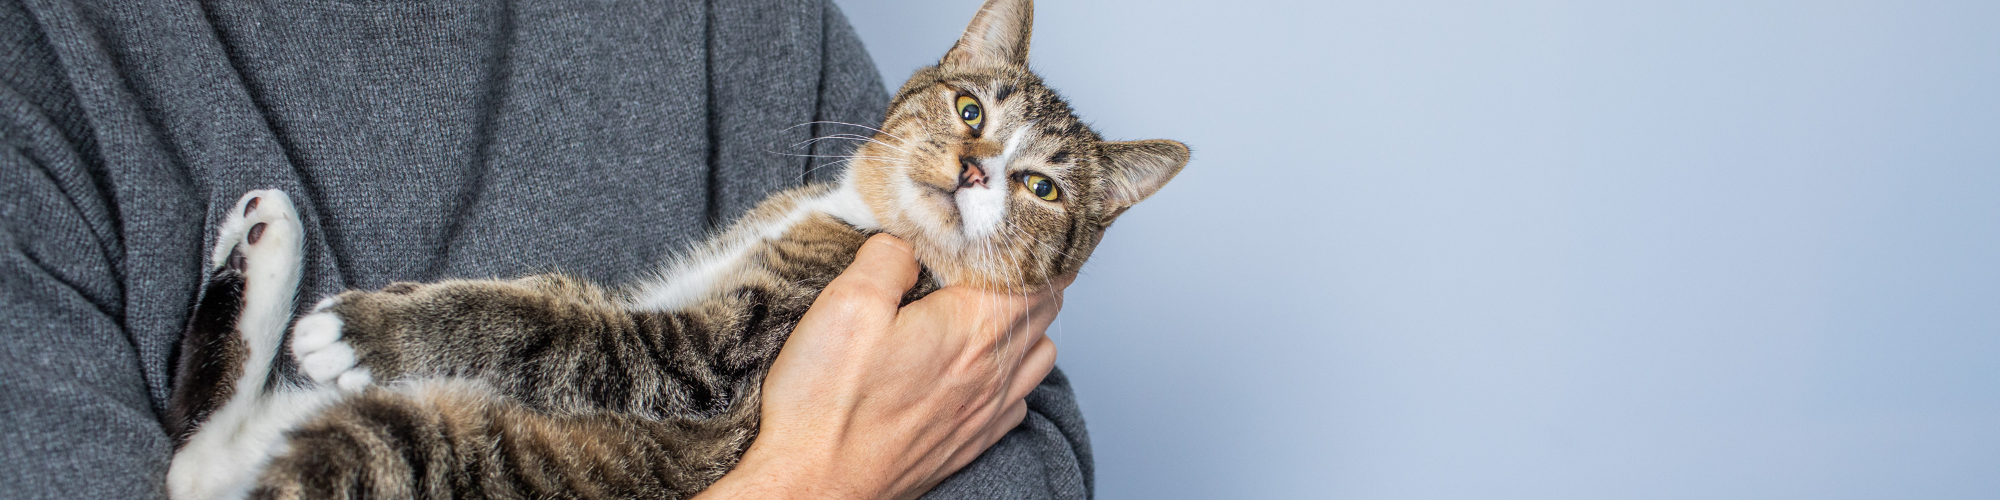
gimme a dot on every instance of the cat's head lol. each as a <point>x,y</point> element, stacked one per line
<point>988,174</point>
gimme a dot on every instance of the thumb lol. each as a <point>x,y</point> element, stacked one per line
<point>885,266</point>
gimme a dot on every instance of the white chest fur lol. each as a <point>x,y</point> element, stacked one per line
<point>710,267</point>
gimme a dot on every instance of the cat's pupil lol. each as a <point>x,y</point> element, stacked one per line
<point>1042,188</point>
<point>969,112</point>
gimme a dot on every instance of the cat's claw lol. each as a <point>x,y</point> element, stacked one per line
<point>322,355</point>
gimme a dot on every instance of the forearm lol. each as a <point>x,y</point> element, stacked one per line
<point>767,474</point>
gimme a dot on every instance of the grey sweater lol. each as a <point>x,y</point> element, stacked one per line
<point>421,140</point>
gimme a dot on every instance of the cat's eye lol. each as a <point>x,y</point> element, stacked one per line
<point>1041,186</point>
<point>969,112</point>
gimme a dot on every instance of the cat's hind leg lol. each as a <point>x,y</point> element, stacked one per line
<point>226,416</point>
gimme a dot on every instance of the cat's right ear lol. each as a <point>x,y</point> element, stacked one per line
<point>998,36</point>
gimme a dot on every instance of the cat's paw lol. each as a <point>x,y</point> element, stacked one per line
<point>261,240</point>
<point>323,355</point>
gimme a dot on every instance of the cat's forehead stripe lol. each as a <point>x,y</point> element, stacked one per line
<point>996,90</point>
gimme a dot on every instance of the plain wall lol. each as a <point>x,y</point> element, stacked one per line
<point>1538,249</point>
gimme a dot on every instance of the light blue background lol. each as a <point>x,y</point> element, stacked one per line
<point>1541,249</point>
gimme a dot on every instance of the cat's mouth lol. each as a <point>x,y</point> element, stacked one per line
<point>970,175</point>
<point>971,200</point>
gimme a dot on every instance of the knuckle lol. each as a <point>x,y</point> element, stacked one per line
<point>848,299</point>
<point>886,241</point>
<point>859,286</point>
<point>836,295</point>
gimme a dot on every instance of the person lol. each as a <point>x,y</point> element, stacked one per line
<point>428,140</point>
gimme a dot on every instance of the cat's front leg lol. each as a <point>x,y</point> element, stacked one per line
<point>350,339</point>
<point>323,352</point>
<point>483,329</point>
<point>448,328</point>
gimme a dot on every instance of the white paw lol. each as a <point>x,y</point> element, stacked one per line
<point>322,355</point>
<point>261,238</point>
<point>261,225</point>
<point>315,332</point>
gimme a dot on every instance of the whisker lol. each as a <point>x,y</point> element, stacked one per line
<point>824,122</point>
<point>809,171</point>
<point>1017,230</point>
<point>850,157</point>
<point>851,137</point>
<point>1045,274</point>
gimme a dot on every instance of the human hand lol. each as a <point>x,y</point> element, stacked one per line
<point>870,401</point>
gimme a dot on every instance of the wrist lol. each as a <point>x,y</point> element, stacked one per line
<point>766,472</point>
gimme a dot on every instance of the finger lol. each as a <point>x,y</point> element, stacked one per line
<point>1035,366</point>
<point>884,266</point>
<point>1006,422</point>
<point>1049,301</point>
<point>1032,325</point>
<point>1043,312</point>
<point>1062,282</point>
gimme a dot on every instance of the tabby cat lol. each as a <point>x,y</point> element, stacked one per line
<point>551,387</point>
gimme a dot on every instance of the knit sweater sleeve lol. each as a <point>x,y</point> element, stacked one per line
<point>76,420</point>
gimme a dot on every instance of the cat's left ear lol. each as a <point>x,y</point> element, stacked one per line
<point>998,36</point>
<point>1137,169</point>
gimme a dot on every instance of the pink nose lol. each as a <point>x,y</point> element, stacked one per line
<point>970,174</point>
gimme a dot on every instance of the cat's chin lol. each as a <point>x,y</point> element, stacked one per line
<point>953,257</point>
<point>997,271</point>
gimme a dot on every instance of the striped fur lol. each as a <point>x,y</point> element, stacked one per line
<point>552,387</point>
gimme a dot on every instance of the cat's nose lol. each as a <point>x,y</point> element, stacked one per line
<point>970,174</point>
